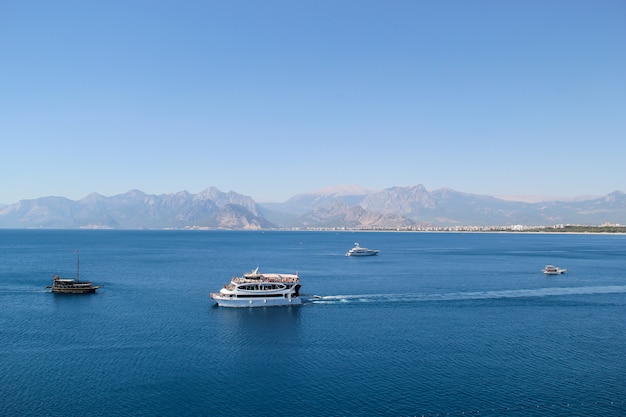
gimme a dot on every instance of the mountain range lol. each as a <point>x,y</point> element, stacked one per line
<point>350,207</point>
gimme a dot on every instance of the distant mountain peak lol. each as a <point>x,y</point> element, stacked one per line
<point>92,197</point>
<point>341,190</point>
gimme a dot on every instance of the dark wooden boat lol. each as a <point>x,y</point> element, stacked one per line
<point>72,285</point>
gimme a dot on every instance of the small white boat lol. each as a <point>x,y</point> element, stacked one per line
<point>553,270</point>
<point>357,250</point>
<point>255,289</point>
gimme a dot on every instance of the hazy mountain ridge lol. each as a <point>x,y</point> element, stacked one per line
<point>344,207</point>
<point>135,209</point>
<point>303,203</point>
<point>415,205</point>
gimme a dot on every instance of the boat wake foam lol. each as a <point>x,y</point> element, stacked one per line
<point>459,296</point>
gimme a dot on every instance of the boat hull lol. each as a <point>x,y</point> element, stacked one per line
<point>554,272</point>
<point>256,301</point>
<point>75,290</point>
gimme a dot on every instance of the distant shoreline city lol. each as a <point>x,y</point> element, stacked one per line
<point>604,229</point>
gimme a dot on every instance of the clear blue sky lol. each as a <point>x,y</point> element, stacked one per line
<point>275,98</point>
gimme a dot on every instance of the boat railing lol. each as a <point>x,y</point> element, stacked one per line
<point>266,278</point>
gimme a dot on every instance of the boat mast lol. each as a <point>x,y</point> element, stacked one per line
<point>77,267</point>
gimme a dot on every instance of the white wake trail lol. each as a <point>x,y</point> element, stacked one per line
<point>476,295</point>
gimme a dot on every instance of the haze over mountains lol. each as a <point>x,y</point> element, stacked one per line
<point>351,207</point>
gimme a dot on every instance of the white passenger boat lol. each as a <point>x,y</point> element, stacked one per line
<point>357,250</point>
<point>255,289</point>
<point>553,270</point>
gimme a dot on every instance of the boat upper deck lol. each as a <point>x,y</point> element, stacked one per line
<point>267,278</point>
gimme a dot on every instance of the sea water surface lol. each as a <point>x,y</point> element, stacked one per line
<point>436,324</point>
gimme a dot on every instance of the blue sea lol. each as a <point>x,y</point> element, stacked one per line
<point>438,324</point>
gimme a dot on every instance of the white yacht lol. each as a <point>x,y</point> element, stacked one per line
<point>255,289</point>
<point>359,251</point>
<point>553,270</point>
